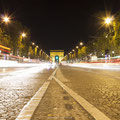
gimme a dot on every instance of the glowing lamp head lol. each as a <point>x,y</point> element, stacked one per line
<point>33,43</point>
<point>6,19</point>
<point>108,20</point>
<point>113,52</point>
<point>77,47</point>
<point>81,43</point>
<point>23,35</point>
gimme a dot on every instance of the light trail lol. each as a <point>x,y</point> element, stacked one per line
<point>96,65</point>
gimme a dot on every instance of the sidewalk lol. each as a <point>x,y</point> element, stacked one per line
<point>59,105</point>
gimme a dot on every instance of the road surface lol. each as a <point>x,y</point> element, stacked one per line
<point>100,88</point>
<point>17,86</point>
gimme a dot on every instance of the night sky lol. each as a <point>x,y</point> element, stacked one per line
<point>59,24</point>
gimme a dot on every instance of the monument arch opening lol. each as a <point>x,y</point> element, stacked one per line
<point>57,58</point>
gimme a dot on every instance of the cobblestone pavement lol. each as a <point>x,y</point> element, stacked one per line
<point>16,91</point>
<point>99,87</point>
<point>59,105</point>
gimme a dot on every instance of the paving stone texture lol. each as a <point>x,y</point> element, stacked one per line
<point>17,90</point>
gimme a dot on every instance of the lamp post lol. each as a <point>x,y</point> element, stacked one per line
<point>77,52</point>
<point>4,19</point>
<point>73,54</point>
<point>113,53</point>
<point>36,51</point>
<point>109,22</point>
<point>20,51</point>
<point>40,54</point>
<point>80,45</point>
<point>31,50</point>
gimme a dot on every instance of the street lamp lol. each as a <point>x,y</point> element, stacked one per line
<point>77,52</point>
<point>6,19</point>
<point>23,34</point>
<point>113,52</point>
<point>36,50</point>
<point>108,20</point>
<point>109,23</point>
<point>77,47</point>
<point>20,42</point>
<point>81,43</point>
<point>33,43</point>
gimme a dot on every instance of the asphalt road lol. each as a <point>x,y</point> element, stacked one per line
<point>57,104</point>
<point>17,86</point>
<point>99,87</point>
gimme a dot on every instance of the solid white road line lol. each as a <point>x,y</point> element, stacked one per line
<point>53,74</point>
<point>28,110</point>
<point>95,113</point>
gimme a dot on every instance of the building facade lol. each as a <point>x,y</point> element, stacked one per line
<point>57,55</point>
